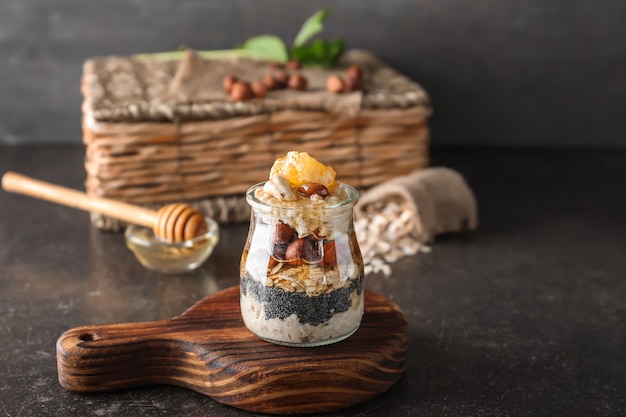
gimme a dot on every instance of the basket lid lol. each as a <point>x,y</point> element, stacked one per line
<point>122,89</point>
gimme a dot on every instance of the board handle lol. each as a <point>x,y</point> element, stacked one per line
<point>118,356</point>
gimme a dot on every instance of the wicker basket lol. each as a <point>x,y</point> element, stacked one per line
<point>163,131</point>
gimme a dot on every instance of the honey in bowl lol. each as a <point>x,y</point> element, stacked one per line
<point>170,257</point>
<point>301,269</point>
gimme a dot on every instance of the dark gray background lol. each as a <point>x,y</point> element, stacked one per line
<point>512,72</point>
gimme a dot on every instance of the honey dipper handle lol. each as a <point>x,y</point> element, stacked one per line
<point>21,184</point>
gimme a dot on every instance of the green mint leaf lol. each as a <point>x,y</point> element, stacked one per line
<point>319,52</point>
<point>336,48</point>
<point>268,47</point>
<point>312,26</point>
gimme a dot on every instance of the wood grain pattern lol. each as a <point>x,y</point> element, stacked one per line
<point>208,349</point>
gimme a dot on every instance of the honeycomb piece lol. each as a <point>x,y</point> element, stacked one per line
<point>299,168</point>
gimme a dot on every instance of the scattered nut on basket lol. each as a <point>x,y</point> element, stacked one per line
<point>335,84</point>
<point>241,91</point>
<point>297,82</point>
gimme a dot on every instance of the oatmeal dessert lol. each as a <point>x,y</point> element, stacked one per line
<point>301,269</point>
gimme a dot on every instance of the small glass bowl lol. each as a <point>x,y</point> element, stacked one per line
<point>171,257</point>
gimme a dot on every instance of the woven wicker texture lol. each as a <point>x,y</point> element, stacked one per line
<point>162,131</point>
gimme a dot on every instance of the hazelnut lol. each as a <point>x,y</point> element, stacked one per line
<point>228,83</point>
<point>276,65</point>
<point>354,78</point>
<point>311,188</point>
<point>258,88</point>
<point>354,84</point>
<point>293,65</point>
<point>330,254</point>
<point>354,72</point>
<point>241,91</point>
<point>281,78</point>
<point>270,82</point>
<point>278,251</point>
<point>335,84</point>
<point>297,82</point>
<point>282,233</point>
<point>301,248</point>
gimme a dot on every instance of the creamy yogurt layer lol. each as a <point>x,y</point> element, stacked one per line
<point>295,318</point>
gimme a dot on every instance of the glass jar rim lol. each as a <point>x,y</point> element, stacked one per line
<point>349,201</point>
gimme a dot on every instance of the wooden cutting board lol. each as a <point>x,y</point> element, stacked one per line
<point>209,350</point>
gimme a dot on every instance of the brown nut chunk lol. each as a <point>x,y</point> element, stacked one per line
<point>309,189</point>
<point>270,82</point>
<point>297,82</point>
<point>354,84</point>
<point>259,89</point>
<point>293,65</point>
<point>278,251</point>
<point>281,78</point>
<point>271,263</point>
<point>330,254</point>
<point>241,91</point>
<point>301,248</point>
<point>283,233</point>
<point>335,84</point>
<point>354,78</point>
<point>354,72</point>
<point>228,83</point>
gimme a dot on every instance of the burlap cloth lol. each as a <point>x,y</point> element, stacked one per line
<point>439,200</point>
<point>199,80</point>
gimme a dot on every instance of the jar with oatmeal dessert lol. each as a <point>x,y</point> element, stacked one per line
<point>301,268</point>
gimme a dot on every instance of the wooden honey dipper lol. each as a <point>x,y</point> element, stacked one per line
<point>173,222</point>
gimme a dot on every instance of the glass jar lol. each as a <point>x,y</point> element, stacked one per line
<point>302,271</point>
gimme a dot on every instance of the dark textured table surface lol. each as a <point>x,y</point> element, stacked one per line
<point>527,316</point>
